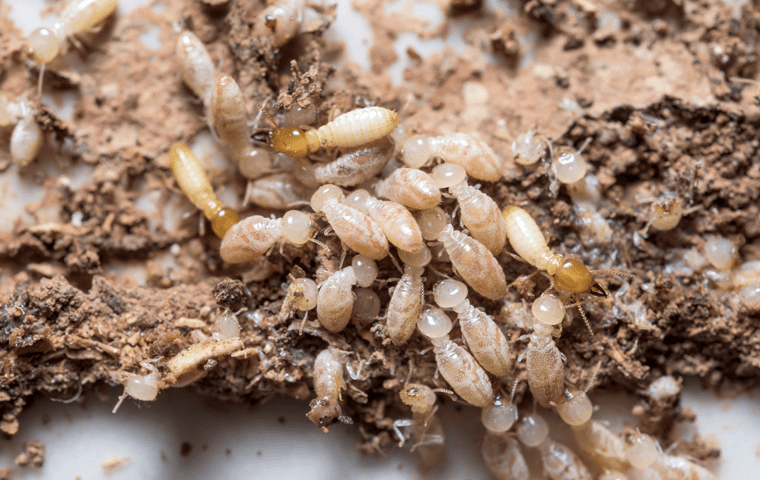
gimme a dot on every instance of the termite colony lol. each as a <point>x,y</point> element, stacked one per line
<point>390,192</point>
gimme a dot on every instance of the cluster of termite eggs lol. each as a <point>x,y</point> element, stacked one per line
<point>404,213</point>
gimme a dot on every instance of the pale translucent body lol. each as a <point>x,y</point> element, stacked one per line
<point>528,148</point>
<point>606,447</point>
<point>720,252</point>
<point>26,140</point>
<point>420,397</point>
<point>548,309</point>
<point>544,365</point>
<point>484,338</point>
<point>255,235</point>
<point>354,129</point>
<point>482,216</point>
<point>561,463</point>
<point>577,409</point>
<point>226,326</point>
<point>532,430</point>
<point>411,188</point>
<point>466,377</point>
<point>642,452</point>
<point>43,45</point>
<point>279,191</point>
<point>195,65</point>
<point>432,222</point>
<point>281,21</point>
<point>750,294</point>
<point>474,263</point>
<point>570,164</point>
<point>396,222</point>
<point>355,229</point>
<point>667,213</point>
<point>405,305</point>
<point>416,151</point>
<point>664,388</point>
<point>528,241</point>
<point>503,458</point>
<point>141,387</point>
<point>335,301</point>
<point>351,168</point>
<point>328,384</point>
<point>613,475</point>
<point>499,417</point>
<point>187,366</point>
<point>474,155</point>
<point>419,259</point>
<point>227,113</point>
<point>254,162</point>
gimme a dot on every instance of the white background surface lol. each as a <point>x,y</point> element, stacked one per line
<point>234,441</point>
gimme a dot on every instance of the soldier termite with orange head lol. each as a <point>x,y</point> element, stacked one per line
<point>396,222</point>
<point>194,183</point>
<point>406,301</point>
<point>466,377</point>
<point>567,273</point>
<point>328,384</point>
<point>411,188</point>
<point>44,44</point>
<point>480,214</point>
<point>356,128</point>
<point>355,229</point>
<point>351,168</point>
<point>335,300</point>
<point>484,338</point>
<point>470,153</point>
<point>472,261</point>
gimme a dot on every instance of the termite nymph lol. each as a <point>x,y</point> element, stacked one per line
<point>193,181</point>
<point>350,130</point>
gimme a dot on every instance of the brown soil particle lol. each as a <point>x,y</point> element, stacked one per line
<point>665,90</point>
<point>33,455</point>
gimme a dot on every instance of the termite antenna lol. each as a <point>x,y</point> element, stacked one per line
<point>593,377</point>
<point>269,117</point>
<point>118,404</point>
<point>303,323</point>
<point>411,371</point>
<point>514,390</point>
<point>314,240</point>
<point>395,262</point>
<point>614,272</point>
<point>585,144</point>
<point>585,319</point>
<point>450,394</point>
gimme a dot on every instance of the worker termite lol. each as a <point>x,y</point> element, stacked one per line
<point>280,21</point>
<point>351,168</point>
<point>546,373</point>
<point>484,338</point>
<point>472,154</point>
<point>406,301</point>
<point>428,437</point>
<point>44,44</point>
<point>227,113</point>
<point>567,273</point>
<point>472,261</point>
<point>479,213</point>
<point>26,139</point>
<point>411,188</point>
<point>500,451</point>
<point>466,377</point>
<point>569,164</point>
<point>644,453</point>
<point>302,295</point>
<point>356,128</point>
<point>396,222</point>
<point>335,300</point>
<point>255,235</point>
<point>194,183</point>
<point>560,463</point>
<point>529,147</point>
<point>195,65</point>
<point>328,384</point>
<point>279,191</point>
<point>355,229</point>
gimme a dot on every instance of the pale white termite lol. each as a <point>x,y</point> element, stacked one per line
<point>79,16</point>
<point>586,202</point>
<point>195,65</point>
<point>355,229</point>
<point>411,188</point>
<point>529,147</point>
<point>479,213</point>
<point>328,384</point>
<point>546,373</point>
<point>569,164</point>
<point>301,295</point>
<point>335,300</point>
<point>500,451</point>
<point>484,338</point>
<point>26,139</point>
<point>560,463</point>
<point>279,191</point>
<point>280,21</point>
<point>472,154</point>
<point>396,222</point>
<point>227,113</point>
<point>255,235</point>
<point>466,377</point>
<point>548,309</point>
<point>351,168</point>
<point>356,128</point>
<point>428,437</point>
<point>406,301</point>
<point>472,261</point>
<point>644,453</point>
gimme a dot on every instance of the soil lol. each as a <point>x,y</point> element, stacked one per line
<point>664,89</point>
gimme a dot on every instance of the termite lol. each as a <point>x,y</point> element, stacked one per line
<point>645,453</point>
<point>472,154</point>
<point>396,222</point>
<point>195,65</point>
<point>351,168</point>
<point>279,191</point>
<point>484,338</point>
<point>280,21</point>
<point>466,377</point>
<point>560,463</point>
<point>44,44</point>
<point>355,229</point>
<point>500,451</point>
<point>328,384</point>
<point>406,301</point>
<point>569,164</point>
<point>479,213</point>
<point>472,261</point>
<point>666,214</point>
<point>567,273</point>
<point>529,147</point>
<point>335,300</point>
<point>301,295</point>
<point>26,139</point>
<point>192,179</point>
<point>255,235</point>
<point>411,188</point>
<point>546,373</point>
<point>356,128</point>
<point>428,437</point>
<point>227,113</point>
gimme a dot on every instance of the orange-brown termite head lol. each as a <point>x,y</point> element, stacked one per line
<point>291,141</point>
<point>572,276</point>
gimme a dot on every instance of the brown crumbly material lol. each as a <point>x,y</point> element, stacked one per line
<point>33,455</point>
<point>114,462</point>
<point>657,96</point>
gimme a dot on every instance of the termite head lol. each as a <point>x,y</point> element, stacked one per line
<point>420,397</point>
<point>291,141</point>
<point>573,277</point>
